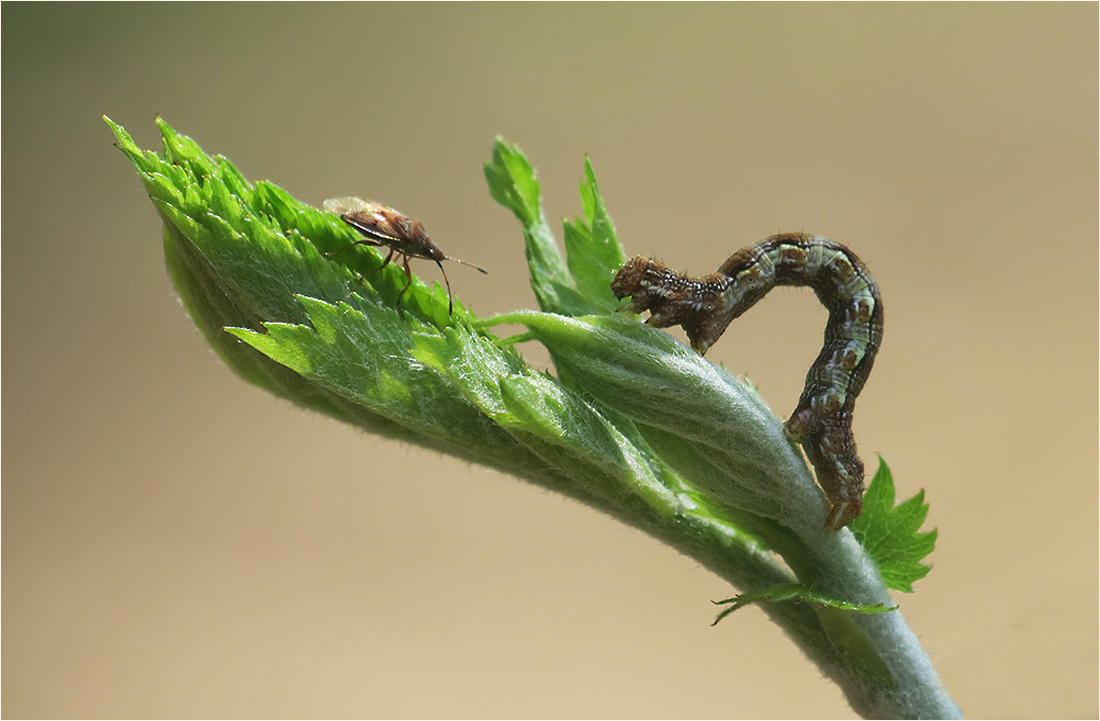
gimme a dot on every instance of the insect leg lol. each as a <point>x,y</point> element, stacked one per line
<point>385,262</point>
<point>408,275</point>
<point>358,242</point>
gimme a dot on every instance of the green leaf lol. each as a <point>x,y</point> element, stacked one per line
<point>891,534</point>
<point>799,593</point>
<point>581,286</point>
<point>634,424</point>
<point>555,421</point>
<point>512,183</point>
<point>593,251</point>
<point>709,426</point>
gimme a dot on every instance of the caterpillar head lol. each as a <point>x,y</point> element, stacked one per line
<point>628,282</point>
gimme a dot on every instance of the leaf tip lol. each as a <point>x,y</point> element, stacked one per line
<point>589,171</point>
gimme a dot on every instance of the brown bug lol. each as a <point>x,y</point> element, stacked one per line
<point>381,225</point>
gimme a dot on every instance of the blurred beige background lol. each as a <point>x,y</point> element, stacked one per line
<point>177,543</point>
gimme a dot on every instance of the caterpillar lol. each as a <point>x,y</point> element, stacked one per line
<point>704,307</point>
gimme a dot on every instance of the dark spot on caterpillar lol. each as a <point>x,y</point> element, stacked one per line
<point>704,307</point>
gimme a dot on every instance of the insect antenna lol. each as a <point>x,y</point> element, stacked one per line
<point>464,262</point>
<point>451,306</point>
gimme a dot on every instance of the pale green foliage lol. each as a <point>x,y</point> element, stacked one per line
<point>794,592</point>
<point>634,424</point>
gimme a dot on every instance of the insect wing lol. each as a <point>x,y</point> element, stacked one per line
<point>375,228</point>
<point>374,220</point>
<point>348,205</point>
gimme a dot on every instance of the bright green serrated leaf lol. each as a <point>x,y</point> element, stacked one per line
<point>634,424</point>
<point>512,183</point>
<point>891,534</point>
<point>581,286</point>
<point>592,249</point>
<point>800,593</point>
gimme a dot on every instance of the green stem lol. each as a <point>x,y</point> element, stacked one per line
<point>634,424</point>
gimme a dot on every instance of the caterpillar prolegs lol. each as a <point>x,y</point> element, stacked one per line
<point>822,422</point>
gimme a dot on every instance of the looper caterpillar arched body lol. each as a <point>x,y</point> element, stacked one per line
<point>822,422</point>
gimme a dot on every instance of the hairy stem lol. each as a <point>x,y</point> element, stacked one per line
<point>633,423</point>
